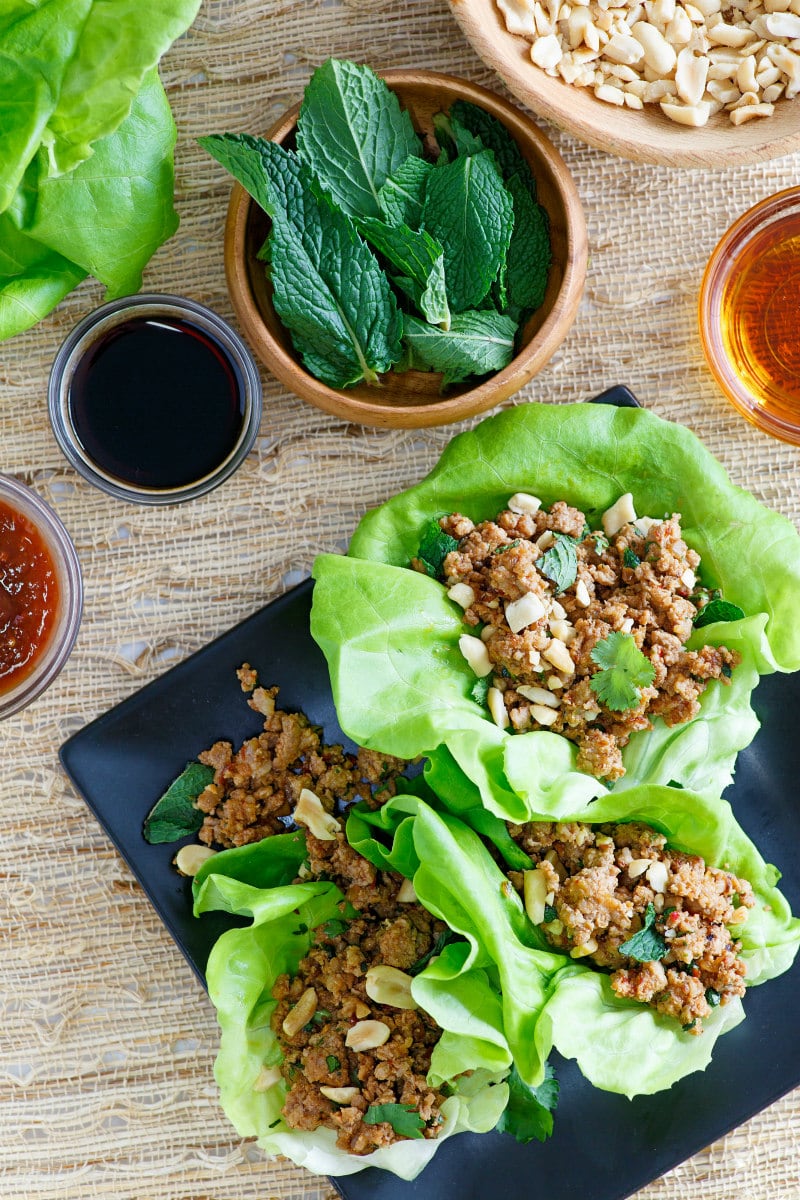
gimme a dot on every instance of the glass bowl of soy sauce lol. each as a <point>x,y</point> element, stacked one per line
<point>154,399</point>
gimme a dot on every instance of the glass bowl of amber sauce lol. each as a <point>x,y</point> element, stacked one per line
<point>41,595</point>
<point>750,314</point>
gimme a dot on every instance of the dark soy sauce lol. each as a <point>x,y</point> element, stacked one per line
<point>157,402</point>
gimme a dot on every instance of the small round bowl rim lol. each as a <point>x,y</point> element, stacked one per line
<point>70,581</point>
<point>78,340</point>
<point>717,271</point>
<point>531,358</point>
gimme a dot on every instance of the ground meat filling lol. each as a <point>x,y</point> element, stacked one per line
<point>255,790</point>
<point>338,1063</point>
<point>593,888</point>
<point>641,580</point>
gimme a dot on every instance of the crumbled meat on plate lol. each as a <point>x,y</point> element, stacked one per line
<point>555,603</point>
<point>658,920</point>
<point>255,789</point>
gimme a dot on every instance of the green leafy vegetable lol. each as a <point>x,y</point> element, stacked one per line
<point>529,252</point>
<point>528,1116</point>
<point>403,194</point>
<point>470,214</point>
<point>420,260</point>
<point>630,559</point>
<point>174,816</point>
<point>434,547</point>
<point>332,1063</point>
<point>403,1118</point>
<point>479,691</point>
<point>648,945</point>
<point>495,137</point>
<point>718,610</point>
<point>353,134</point>
<point>86,142</point>
<point>601,542</point>
<point>474,344</point>
<point>624,670</point>
<point>560,562</point>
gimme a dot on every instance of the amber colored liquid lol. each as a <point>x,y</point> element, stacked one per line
<point>760,318</point>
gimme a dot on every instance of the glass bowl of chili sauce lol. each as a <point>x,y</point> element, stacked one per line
<point>41,595</point>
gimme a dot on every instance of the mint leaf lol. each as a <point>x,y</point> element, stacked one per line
<point>470,213</point>
<point>625,670</point>
<point>329,290</point>
<point>630,559</point>
<point>560,563</point>
<point>475,344</point>
<point>434,547</point>
<point>243,156</point>
<point>454,138</point>
<point>421,261</point>
<point>332,1063</point>
<point>174,815</point>
<point>495,137</point>
<point>647,945</point>
<point>353,134</point>
<point>403,194</point>
<point>717,610</point>
<point>403,1118</point>
<point>529,254</point>
<point>529,1112</point>
<point>442,939</point>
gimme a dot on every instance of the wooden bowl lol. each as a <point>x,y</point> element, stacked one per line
<point>644,136</point>
<point>412,399</point>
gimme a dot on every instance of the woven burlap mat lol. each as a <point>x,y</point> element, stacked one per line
<point>106,1039</point>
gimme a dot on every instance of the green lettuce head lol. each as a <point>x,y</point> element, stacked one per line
<point>255,881</point>
<point>390,635</point>
<point>549,999</point>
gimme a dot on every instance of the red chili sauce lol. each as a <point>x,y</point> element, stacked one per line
<point>28,596</point>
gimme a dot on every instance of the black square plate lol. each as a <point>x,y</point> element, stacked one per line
<point>604,1147</point>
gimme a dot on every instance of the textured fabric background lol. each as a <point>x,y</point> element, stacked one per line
<point>106,1039</point>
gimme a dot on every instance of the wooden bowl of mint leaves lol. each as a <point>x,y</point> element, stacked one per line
<point>403,249</point>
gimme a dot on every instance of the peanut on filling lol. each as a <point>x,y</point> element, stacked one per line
<point>658,920</point>
<point>356,1048</point>
<point>545,593</point>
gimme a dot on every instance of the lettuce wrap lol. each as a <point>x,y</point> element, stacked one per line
<point>256,881</point>
<point>390,634</point>
<point>549,999</point>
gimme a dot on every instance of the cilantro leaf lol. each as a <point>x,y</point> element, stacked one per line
<point>403,1118</point>
<point>421,261</point>
<point>475,344</point>
<point>434,547</point>
<point>560,562</point>
<point>717,610</point>
<point>352,133</point>
<point>624,671</point>
<point>174,815</point>
<point>529,1112</point>
<point>631,559</point>
<point>402,195</point>
<point>332,1063</point>
<point>647,945</point>
<point>470,213</point>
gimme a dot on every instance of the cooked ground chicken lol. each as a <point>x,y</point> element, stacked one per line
<point>388,933</point>
<point>599,882</point>
<point>255,790</point>
<point>641,580</point>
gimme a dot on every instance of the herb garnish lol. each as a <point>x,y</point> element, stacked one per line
<point>647,945</point>
<point>560,562</point>
<point>717,610</point>
<point>479,691</point>
<point>630,559</point>
<point>442,940</point>
<point>403,1118</point>
<point>624,671</point>
<point>434,547</point>
<point>332,1063</point>
<point>529,1112</point>
<point>174,816</point>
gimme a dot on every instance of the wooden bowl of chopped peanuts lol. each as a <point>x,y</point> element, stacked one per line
<point>677,82</point>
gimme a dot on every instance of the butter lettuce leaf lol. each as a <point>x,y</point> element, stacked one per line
<point>391,635</point>
<point>244,964</point>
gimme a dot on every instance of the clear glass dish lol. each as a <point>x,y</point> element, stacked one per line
<point>58,645</point>
<point>749,314</point>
